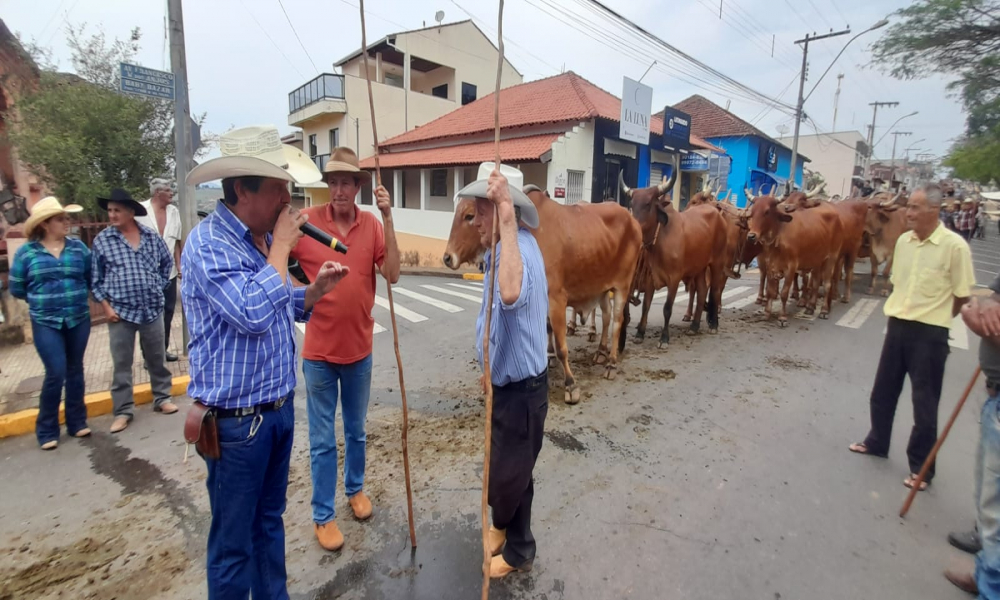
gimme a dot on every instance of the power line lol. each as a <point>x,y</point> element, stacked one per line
<point>743,31</point>
<point>64,21</point>
<point>287,18</point>
<point>268,36</point>
<point>55,13</point>
<point>492,31</point>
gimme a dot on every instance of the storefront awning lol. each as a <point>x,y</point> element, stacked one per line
<point>524,149</point>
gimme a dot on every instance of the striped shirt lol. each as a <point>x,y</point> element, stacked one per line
<point>131,279</point>
<point>240,315</point>
<point>518,334</point>
<point>55,288</point>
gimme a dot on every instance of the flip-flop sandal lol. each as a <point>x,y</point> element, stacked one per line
<point>861,448</point>
<point>909,481</point>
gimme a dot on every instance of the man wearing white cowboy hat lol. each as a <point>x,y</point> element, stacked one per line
<point>240,305</point>
<point>337,352</point>
<point>131,268</point>
<point>518,359</point>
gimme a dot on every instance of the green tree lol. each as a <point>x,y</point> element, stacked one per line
<point>82,136</point>
<point>959,39</point>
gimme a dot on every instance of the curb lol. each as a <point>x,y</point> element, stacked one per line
<point>443,274</point>
<point>97,404</point>
<point>473,276</point>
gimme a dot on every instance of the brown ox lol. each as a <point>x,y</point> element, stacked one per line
<point>794,240</point>
<point>884,223</point>
<point>679,246</point>
<point>588,249</point>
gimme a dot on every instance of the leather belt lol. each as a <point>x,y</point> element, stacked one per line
<point>228,413</point>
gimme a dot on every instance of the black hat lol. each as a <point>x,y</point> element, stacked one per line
<point>120,196</point>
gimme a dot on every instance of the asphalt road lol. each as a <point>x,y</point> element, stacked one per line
<point>716,468</point>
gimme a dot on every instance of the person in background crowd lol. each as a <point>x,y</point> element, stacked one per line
<point>932,278</point>
<point>131,268</point>
<point>518,359</point>
<point>983,318</point>
<point>240,305</point>
<point>163,217</point>
<point>337,352</point>
<point>981,221</point>
<point>52,272</point>
<point>947,216</point>
<point>965,220</point>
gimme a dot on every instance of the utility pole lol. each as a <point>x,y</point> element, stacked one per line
<point>836,100</point>
<point>183,152</point>
<point>801,100</point>
<point>871,133</point>
<point>892,163</point>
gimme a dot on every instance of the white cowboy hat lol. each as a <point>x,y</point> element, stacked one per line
<point>256,151</point>
<point>45,209</point>
<point>515,181</point>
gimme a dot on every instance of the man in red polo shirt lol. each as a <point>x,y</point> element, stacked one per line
<point>337,354</point>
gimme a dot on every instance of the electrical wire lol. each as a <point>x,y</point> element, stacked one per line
<point>507,40</point>
<point>268,36</point>
<point>287,18</point>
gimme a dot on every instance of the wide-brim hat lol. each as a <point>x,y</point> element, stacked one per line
<point>344,161</point>
<point>120,196</point>
<point>45,209</point>
<point>515,181</point>
<point>256,152</point>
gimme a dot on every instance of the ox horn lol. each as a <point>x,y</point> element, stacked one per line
<point>668,184</point>
<point>749,195</point>
<point>707,186</point>
<point>816,191</point>
<point>621,183</point>
<point>891,201</point>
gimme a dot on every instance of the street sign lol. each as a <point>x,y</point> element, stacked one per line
<point>692,161</point>
<point>676,129</point>
<point>146,82</point>
<point>637,102</point>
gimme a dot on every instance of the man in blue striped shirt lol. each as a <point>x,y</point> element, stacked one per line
<point>518,360</point>
<point>241,306</point>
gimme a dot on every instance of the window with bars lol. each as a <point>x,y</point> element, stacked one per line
<point>439,182</point>
<point>574,186</point>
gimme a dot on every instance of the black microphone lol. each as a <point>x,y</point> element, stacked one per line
<point>323,237</point>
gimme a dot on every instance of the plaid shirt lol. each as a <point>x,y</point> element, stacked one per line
<point>240,314</point>
<point>131,280</point>
<point>55,288</point>
<point>965,220</point>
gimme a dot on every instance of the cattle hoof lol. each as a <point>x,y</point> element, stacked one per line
<point>782,323</point>
<point>691,332</point>
<point>760,301</point>
<point>713,331</point>
<point>794,296</point>
<point>885,293</point>
<point>573,396</point>
<point>591,336</point>
<point>870,291</point>
<point>686,318</point>
<point>600,358</point>
<point>809,311</point>
<point>662,344</point>
<point>570,332</point>
<point>638,339</point>
<point>844,299</point>
<point>824,315</point>
<point>611,372</point>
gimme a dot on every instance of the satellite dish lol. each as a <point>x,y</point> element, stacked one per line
<point>439,16</point>
<point>782,129</point>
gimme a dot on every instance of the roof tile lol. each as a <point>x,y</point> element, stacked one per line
<point>512,150</point>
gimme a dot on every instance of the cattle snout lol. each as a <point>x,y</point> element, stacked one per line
<point>751,237</point>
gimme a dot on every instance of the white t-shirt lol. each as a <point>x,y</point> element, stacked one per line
<point>171,231</point>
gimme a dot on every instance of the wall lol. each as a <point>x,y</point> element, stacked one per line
<point>537,174</point>
<point>743,151</point>
<point>424,83</point>
<point>426,223</point>
<point>574,150</point>
<point>831,158</point>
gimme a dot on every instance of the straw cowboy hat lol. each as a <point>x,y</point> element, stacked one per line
<point>515,181</point>
<point>256,151</point>
<point>344,161</point>
<point>120,196</point>
<point>45,209</point>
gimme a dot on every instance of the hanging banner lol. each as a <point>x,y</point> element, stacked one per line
<point>676,129</point>
<point>637,103</point>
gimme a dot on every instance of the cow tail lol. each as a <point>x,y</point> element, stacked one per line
<point>623,331</point>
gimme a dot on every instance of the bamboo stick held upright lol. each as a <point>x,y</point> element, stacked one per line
<point>487,373</point>
<point>388,289</point>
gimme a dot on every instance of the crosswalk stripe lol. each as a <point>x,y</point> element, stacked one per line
<point>736,291</point>
<point>445,306</point>
<point>660,294</point>
<point>379,328</point>
<point>858,314</point>
<point>402,311</point>
<point>441,290</point>
<point>742,302</point>
<point>465,286</point>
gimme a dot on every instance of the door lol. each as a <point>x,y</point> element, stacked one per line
<point>612,167</point>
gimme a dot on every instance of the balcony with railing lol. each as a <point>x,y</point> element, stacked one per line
<point>320,160</point>
<point>324,94</point>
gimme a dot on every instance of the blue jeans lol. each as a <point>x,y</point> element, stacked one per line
<point>988,500</point>
<point>355,381</point>
<point>246,491</point>
<point>61,351</point>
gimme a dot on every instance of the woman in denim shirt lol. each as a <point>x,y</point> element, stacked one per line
<point>52,272</point>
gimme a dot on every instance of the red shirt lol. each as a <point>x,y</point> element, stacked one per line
<point>340,329</point>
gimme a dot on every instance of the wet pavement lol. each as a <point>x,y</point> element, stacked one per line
<point>716,468</point>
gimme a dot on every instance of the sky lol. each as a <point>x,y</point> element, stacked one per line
<point>244,56</point>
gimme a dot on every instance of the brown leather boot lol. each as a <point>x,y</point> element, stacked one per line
<point>497,539</point>
<point>329,536</point>
<point>361,506</point>
<point>963,578</point>
<point>499,568</point>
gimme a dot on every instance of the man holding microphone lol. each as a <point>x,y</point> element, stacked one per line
<point>240,304</point>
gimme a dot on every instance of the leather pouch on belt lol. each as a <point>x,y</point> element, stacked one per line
<point>200,429</point>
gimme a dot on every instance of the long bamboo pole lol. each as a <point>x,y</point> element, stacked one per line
<point>487,374</point>
<point>388,289</point>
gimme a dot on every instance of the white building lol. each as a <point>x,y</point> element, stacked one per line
<point>838,157</point>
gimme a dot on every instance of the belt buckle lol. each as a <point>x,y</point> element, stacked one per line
<point>280,402</point>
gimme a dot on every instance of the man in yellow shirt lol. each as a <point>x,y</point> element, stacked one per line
<point>932,278</point>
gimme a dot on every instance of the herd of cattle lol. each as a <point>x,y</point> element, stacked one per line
<point>607,255</point>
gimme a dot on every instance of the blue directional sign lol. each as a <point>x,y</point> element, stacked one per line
<point>147,82</point>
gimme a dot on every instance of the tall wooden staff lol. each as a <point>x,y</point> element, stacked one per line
<point>487,376</point>
<point>388,289</point>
